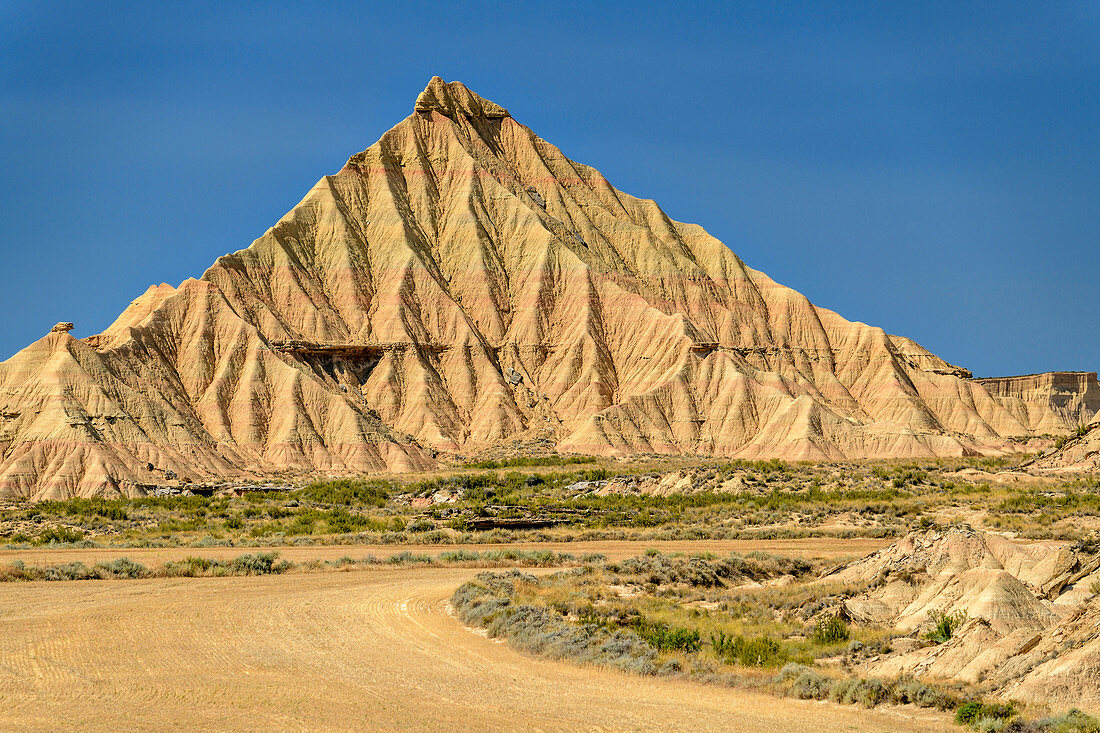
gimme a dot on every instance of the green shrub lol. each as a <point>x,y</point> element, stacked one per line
<point>261,563</point>
<point>70,571</point>
<point>867,693</point>
<point>973,712</point>
<point>831,630</point>
<point>59,535</point>
<point>347,492</point>
<point>77,507</point>
<point>189,567</point>
<point>663,637</point>
<point>177,502</point>
<point>917,693</point>
<point>409,558</point>
<point>944,625</point>
<point>759,651</point>
<point>123,567</point>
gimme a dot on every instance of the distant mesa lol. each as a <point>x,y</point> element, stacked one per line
<point>462,286</point>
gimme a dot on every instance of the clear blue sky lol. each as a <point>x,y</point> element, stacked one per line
<point>931,168</point>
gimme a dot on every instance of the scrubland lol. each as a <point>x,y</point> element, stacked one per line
<point>580,498</point>
<point>720,575</point>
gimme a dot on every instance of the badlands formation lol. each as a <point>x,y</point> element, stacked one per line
<point>1030,618</point>
<point>462,285</point>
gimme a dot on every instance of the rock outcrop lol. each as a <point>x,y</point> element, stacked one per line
<point>1048,402</point>
<point>1030,621</point>
<point>1078,453</point>
<point>461,284</point>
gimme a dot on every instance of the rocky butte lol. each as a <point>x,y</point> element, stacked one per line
<point>462,284</point>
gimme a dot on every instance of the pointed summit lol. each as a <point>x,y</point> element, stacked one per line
<point>452,99</point>
<point>462,286</point>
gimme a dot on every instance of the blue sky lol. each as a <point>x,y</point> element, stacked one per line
<point>931,168</point>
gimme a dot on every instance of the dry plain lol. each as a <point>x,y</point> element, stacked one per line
<point>361,650</point>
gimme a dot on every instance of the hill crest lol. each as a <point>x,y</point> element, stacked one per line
<point>459,286</point>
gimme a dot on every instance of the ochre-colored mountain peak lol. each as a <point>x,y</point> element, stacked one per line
<point>453,99</point>
<point>461,285</point>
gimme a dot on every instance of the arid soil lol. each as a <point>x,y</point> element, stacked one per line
<point>334,651</point>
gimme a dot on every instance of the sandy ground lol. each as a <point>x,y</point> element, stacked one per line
<point>362,650</point>
<point>822,548</point>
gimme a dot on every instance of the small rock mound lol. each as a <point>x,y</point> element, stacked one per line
<point>1021,607</point>
<point>62,327</point>
<point>958,570</point>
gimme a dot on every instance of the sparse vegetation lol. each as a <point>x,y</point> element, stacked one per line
<point>831,630</point>
<point>759,651</point>
<point>550,460</point>
<point>944,626</point>
<point>570,496</point>
<point>266,563</point>
<point>657,628</point>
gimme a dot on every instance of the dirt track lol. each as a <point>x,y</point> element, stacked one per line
<point>364,650</point>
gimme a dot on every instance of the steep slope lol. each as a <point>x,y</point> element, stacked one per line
<point>459,284</point>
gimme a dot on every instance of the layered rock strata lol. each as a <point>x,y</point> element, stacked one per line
<point>462,284</point>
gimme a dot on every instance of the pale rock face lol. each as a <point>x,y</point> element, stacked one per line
<point>1032,623</point>
<point>1048,402</point>
<point>1078,454</point>
<point>389,313</point>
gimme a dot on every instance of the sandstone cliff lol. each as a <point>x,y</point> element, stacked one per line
<point>461,283</point>
<point>1048,402</point>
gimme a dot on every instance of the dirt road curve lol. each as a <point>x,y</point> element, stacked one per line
<point>364,650</point>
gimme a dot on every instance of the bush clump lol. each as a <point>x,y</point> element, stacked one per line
<point>123,567</point>
<point>1072,721</point>
<point>981,714</point>
<point>59,535</point>
<point>758,651</point>
<point>663,637</point>
<point>487,601</point>
<point>347,492</point>
<point>831,630</point>
<point>867,693</point>
<point>806,683</point>
<point>944,626</point>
